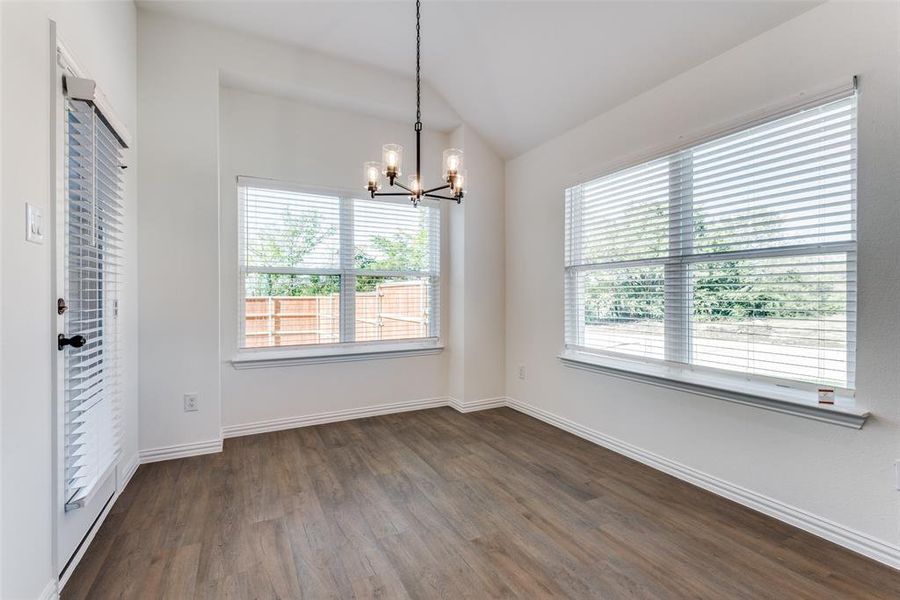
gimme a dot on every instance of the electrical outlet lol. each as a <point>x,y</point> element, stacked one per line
<point>191,402</point>
<point>521,371</point>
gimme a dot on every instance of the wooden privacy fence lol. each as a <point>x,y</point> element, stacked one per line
<point>393,311</point>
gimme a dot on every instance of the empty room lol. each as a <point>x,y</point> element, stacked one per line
<point>449,299</point>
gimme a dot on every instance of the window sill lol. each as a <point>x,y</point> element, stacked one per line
<point>751,393</point>
<point>269,357</point>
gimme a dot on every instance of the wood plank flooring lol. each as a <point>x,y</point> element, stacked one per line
<point>438,504</point>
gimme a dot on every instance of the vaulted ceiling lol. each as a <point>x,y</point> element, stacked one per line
<point>520,72</point>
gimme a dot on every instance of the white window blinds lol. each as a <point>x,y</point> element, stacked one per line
<point>93,251</point>
<point>330,268</point>
<point>737,255</point>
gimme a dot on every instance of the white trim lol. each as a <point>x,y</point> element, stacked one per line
<point>86,543</point>
<point>467,406</point>
<point>180,451</point>
<point>68,62</point>
<point>739,390</point>
<point>127,471</point>
<point>268,357</point>
<point>50,591</point>
<point>124,473</point>
<point>349,414</point>
<point>851,539</point>
<point>334,416</point>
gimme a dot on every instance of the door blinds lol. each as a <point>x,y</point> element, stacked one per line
<point>93,251</point>
<point>738,254</point>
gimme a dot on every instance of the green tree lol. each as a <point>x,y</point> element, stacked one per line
<point>287,246</point>
<point>401,252</point>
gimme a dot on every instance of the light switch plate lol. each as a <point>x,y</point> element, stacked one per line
<point>34,224</point>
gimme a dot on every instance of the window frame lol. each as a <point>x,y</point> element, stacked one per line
<point>676,370</point>
<point>347,348</point>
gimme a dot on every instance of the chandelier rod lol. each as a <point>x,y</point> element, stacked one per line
<point>418,63</point>
<point>418,126</point>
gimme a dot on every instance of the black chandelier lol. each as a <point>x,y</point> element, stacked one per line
<point>392,155</point>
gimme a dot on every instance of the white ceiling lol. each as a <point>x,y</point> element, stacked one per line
<point>520,72</point>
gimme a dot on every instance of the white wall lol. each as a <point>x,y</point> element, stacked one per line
<point>102,35</point>
<point>296,141</point>
<point>840,474</point>
<point>1,291</point>
<point>477,272</point>
<point>337,116</point>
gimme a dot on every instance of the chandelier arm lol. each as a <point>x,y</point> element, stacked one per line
<point>446,186</point>
<point>402,187</point>
<point>441,197</point>
<point>375,194</point>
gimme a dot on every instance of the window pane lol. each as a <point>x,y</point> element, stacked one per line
<point>621,310</point>
<point>391,236</point>
<point>624,216</point>
<point>290,310</point>
<point>785,183</point>
<point>737,254</point>
<point>393,308</point>
<point>787,317</point>
<point>290,229</point>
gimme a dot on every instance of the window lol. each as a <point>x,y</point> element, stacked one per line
<point>322,268</point>
<point>734,256</point>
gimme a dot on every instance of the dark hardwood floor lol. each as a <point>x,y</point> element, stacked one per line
<point>437,504</point>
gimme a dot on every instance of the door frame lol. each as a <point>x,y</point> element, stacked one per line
<point>61,55</point>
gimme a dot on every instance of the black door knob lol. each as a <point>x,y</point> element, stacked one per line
<point>76,341</point>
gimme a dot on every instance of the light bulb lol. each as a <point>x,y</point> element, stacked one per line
<point>453,163</point>
<point>414,183</point>
<point>392,157</point>
<point>371,171</point>
<point>459,183</point>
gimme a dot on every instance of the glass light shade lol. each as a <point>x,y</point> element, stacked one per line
<point>392,159</point>
<point>413,183</point>
<point>459,183</point>
<point>372,171</point>
<point>453,161</point>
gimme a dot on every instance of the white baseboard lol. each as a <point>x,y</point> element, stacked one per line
<point>50,591</point>
<point>331,417</point>
<point>127,471</point>
<point>88,539</point>
<point>180,451</point>
<point>466,406</point>
<point>230,431</point>
<point>856,541</point>
<point>124,473</point>
<point>359,413</point>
